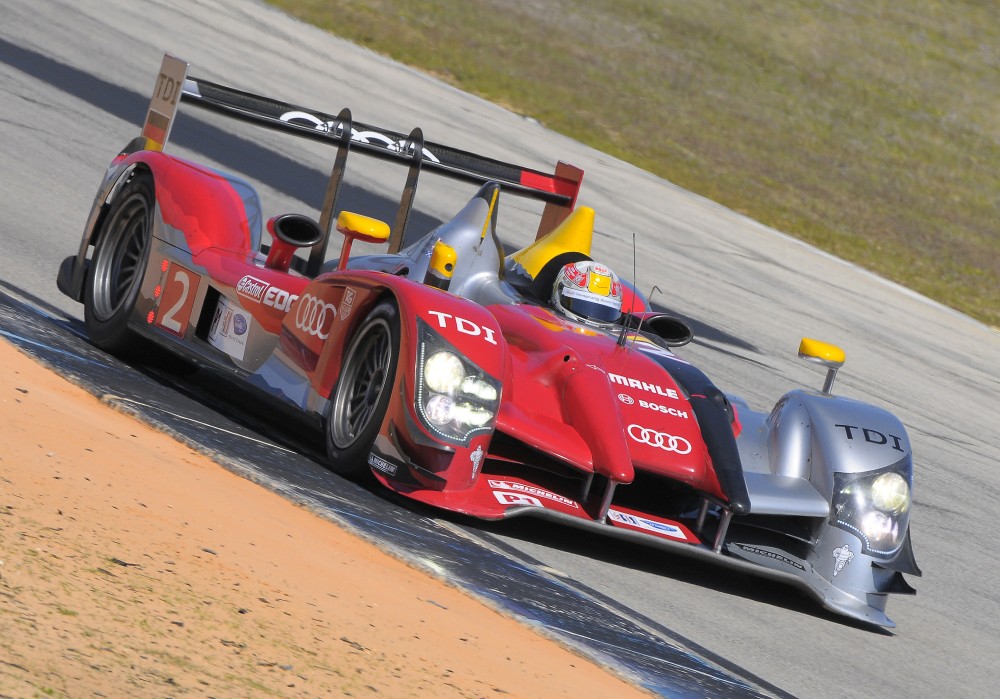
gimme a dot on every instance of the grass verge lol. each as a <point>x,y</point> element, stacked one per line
<point>869,128</point>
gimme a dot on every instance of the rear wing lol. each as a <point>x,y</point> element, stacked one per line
<point>557,189</point>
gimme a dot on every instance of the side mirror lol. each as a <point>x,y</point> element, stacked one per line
<point>830,356</point>
<point>357,227</point>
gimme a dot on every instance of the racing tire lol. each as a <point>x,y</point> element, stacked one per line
<point>118,266</point>
<point>361,397</point>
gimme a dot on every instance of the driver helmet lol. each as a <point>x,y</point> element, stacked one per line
<point>588,291</point>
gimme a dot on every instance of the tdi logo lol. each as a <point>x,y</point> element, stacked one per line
<point>466,327</point>
<point>871,436</point>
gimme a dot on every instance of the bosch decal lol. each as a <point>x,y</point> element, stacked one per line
<point>252,288</point>
<point>841,557</point>
<point>466,327</point>
<point>314,316</point>
<point>660,440</point>
<point>532,490</point>
<point>872,436</point>
<point>642,385</point>
<point>662,409</point>
<point>626,398</point>
<point>773,555</point>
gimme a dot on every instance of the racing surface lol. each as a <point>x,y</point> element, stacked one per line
<point>75,83</point>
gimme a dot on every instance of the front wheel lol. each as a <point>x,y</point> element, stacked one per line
<point>361,397</point>
<point>118,265</point>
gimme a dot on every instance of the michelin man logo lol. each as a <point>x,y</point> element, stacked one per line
<point>842,557</point>
<point>476,457</point>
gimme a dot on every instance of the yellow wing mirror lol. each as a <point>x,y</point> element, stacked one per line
<point>357,227</point>
<point>830,356</point>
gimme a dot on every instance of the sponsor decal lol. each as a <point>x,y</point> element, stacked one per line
<point>240,326</point>
<point>229,329</point>
<point>643,386</point>
<point>871,436</point>
<point>626,398</point>
<point>586,295</point>
<point>774,555</point>
<point>476,458</point>
<point>650,525</point>
<point>380,464</point>
<point>466,327</point>
<point>532,490</point>
<point>662,409</point>
<point>260,291</point>
<point>660,440</point>
<point>505,498</point>
<point>391,144</point>
<point>252,288</point>
<point>841,558</point>
<point>575,275</point>
<point>279,298</point>
<point>314,316</point>
<point>347,303</point>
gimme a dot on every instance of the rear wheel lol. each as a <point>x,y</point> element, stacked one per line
<point>117,268</point>
<point>361,397</point>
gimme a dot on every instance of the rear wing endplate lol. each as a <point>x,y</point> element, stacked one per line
<point>558,189</point>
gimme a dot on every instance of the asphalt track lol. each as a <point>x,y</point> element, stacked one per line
<point>73,80</point>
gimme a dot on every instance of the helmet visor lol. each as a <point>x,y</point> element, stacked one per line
<point>585,304</point>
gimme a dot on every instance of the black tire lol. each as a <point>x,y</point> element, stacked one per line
<point>118,265</point>
<point>361,397</point>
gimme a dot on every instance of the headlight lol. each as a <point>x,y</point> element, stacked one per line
<point>875,506</point>
<point>455,398</point>
<point>891,493</point>
<point>479,388</point>
<point>444,372</point>
<point>440,409</point>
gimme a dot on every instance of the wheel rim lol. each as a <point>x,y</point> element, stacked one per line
<point>119,266</point>
<point>362,382</point>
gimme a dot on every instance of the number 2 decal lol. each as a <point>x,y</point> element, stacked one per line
<point>177,299</point>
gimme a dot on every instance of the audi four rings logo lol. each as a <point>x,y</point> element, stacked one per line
<point>660,440</point>
<point>314,316</point>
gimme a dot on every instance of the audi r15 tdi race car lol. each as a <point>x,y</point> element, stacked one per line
<point>485,383</point>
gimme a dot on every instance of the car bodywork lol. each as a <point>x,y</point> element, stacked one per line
<point>439,367</point>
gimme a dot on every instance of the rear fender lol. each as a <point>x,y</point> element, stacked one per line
<point>196,208</point>
<point>199,208</point>
<point>73,269</point>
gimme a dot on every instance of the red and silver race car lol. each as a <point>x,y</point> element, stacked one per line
<point>489,384</point>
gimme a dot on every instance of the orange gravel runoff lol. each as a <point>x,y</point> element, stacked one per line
<point>133,566</point>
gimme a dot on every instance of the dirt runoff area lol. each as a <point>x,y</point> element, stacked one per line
<point>132,566</point>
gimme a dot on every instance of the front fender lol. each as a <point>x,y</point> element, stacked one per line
<point>812,436</point>
<point>468,327</point>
